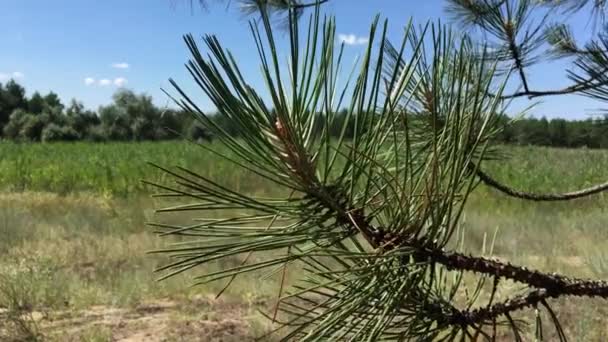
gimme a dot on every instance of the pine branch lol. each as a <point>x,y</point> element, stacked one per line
<point>505,23</point>
<point>489,314</point>
<point>557,285</point>
<point>515,54</point>
<point>598,7</point>
<point>572,89</point>
<point>405,207</point>
<point>540,197</point>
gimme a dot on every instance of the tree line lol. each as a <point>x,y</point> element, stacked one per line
<point>134,117</point>
<point>130,117</point>
<point>590,133</point>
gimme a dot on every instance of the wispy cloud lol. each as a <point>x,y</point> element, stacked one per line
<point>351,39</point>
<point>120,81</point>
<point>105,82</point>
<point>89,81</point>
<point>122,65</point>
<point>14,75</point>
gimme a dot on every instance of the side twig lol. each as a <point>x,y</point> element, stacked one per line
<point>540,197</point>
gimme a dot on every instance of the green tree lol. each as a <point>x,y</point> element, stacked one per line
<point>52,101</point>
<point>558,133</point>
<point>80,119</point>
<point>36,103</point>
<point>115,124</point>
<point>12,97</point>
<point>132,117</point>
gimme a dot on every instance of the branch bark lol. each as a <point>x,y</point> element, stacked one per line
<point>553,283</point>
<point>491,313</point>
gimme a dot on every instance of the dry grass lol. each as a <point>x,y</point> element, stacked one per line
<point>81,253</point>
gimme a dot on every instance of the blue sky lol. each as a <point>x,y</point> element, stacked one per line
<point>87,49</point>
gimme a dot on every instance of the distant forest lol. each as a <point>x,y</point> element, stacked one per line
<point>134,117</point>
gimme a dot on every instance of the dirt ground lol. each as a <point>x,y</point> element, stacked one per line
<point>204,319</point>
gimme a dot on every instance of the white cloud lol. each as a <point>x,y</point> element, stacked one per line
<point>121,65</point>
<point>351,39</point>
<point>105,82</point>
<point>120,81</point>
<point>14,75</point>
<point>89,81</point>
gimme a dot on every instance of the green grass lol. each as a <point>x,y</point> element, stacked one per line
<point>550,169</point>
<point>73,233</point>
<point>109,169</point>
<point>118,168</point>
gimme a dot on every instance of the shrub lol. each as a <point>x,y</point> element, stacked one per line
<point>199,133</point>
<point>32,127</point>
<point>13,126</point>
<point>95,134</point>
<point>54,132</point>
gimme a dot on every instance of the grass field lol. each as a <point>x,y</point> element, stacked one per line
<point>109,168</point>
<point>73,242</point>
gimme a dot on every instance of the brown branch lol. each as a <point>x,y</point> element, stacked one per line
<point>565,91</point>
<point>548,285</point>
<point>552,282</point>
<point>572,89</point>
<point>508,26</point>
<point>491,313</point>
<point>540,197</point>
<point>575,88</point>
<point>448,314</point>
